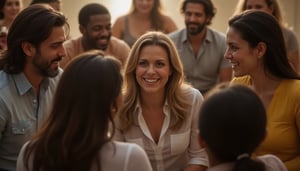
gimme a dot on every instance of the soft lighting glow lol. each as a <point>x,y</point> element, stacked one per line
<point>118,8</point>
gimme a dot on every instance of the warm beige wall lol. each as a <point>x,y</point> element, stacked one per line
<point>225,9</point>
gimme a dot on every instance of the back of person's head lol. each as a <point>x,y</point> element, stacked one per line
<point>259,27</point>
<point>208,5</point>
<point>272,4</point>
<point>232,124</point>
<point>34,25</point>
<point>78,124</point>
<point>89,10</point>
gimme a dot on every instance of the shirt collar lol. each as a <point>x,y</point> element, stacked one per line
<point>166,109</point>
<point>23,85</point>
<point>208,35</point>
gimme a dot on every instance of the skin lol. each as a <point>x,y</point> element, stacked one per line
<point>11,9</point>
<point>43,61</point>
<point>56,5</point>
<point>244,59</point>
<point>195,18</point>
<point>97,33</point>
<point>144,6</point>
<point>153,70</point>
<point>196,22</point>
<point>259,5</point>
<point>263,6</point>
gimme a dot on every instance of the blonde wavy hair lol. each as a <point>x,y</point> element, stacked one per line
<point>175,93</point>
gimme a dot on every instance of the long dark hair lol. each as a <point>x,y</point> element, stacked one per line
<point>232,123</point>
<point>34,25</point>
<point>79,121</point>
<point>257,26</point>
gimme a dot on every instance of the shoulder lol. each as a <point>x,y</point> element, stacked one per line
<point>3,79</point>
<point>288,32</point>
<point>272,163</point>
<point>178,35</point>
<point>245,80</point>
<point>219,36</point>
<point>118,43</point>
<point>132,152</point>
<point>192,93</point>
<point>72,42</point>
<point>120,21</point>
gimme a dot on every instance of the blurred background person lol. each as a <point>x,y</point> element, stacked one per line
<point>273,8</point>
<point>56,4</point>
<point>75,136</point>
<point>201,48</point>
<point>143,16</point>
<point>9,9</point>
<point>95,28</point>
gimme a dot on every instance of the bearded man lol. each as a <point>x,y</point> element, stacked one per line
<point>201,48</point>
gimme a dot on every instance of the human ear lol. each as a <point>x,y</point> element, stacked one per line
<point>28,49</point>
<point>261,49</point>
<point>82,29</point>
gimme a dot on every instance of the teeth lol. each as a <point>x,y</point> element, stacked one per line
<point>151,80</point>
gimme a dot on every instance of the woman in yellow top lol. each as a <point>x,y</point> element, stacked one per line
<point>143,16</point>
<point>272,7</point>
<point>255,48</point>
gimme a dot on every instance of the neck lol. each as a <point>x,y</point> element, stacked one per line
<point>152,100</point>
<point>264,83</point>
<point>141,16</point>
<point>197,39</point>
<point>85,44</point>
<point>34,78</point>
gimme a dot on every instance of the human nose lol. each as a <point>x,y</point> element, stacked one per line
<point>150,69</point>
<point>62,52</point>
<point>227,54</point>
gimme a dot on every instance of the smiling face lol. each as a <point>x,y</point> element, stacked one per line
<point>144,6</point>
<point>153,69</point>
<point>97,33</point>
<point>11,9</point>
<point>195,18</point>
<point>46,58</point>
<point>244,59</point>
<point>259,5</point>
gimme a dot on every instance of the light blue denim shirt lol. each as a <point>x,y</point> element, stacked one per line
<point>21,113</point>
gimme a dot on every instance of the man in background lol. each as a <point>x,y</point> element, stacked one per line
<point>201,49</point>
<point>95,27</point>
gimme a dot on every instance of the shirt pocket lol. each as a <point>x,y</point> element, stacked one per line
<point>179,142</point>
<point>21,127</point>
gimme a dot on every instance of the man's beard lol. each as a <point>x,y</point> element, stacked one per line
<point>195,30</point>
<point>44,67</point>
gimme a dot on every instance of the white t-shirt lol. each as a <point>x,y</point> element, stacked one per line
<point>272,163</point>
<point>114,156</point>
